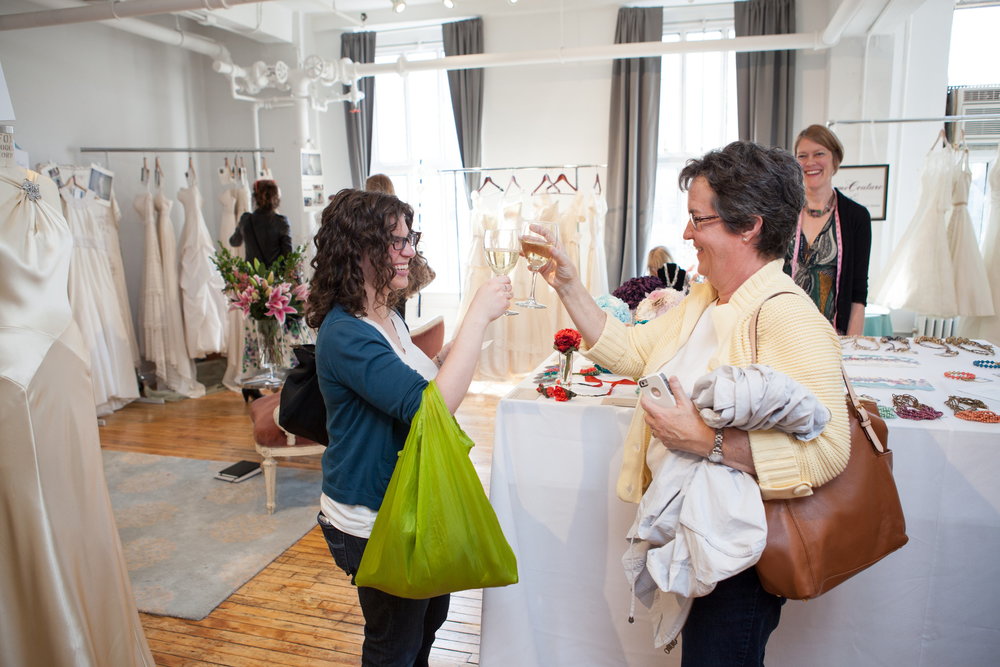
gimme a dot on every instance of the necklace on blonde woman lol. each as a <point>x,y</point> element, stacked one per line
<point>820,212</point>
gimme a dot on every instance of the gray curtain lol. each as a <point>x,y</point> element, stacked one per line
<point>632,145</point>
<point>765,79</point>
<point>466,86</point>
<point>360,48</point>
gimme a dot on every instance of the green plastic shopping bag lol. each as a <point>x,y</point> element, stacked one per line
<point>436,532</point>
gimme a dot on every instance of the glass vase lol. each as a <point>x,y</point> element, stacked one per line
<point>270,347</point>
<point>565,368</point>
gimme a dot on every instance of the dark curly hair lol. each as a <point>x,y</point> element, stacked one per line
<point>748,180</point>
<point>355,224</point>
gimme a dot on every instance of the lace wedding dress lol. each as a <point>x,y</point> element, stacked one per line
<point>67,600</point>
<point>972,288</point>
<point>988,327</point>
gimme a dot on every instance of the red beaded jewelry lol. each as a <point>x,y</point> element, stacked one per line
<point>960,375</point>
<point>984,416</point>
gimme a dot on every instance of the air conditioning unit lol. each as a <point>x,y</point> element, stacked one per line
<point>980,101</point>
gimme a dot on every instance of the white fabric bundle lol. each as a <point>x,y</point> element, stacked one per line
<point>758,398</point>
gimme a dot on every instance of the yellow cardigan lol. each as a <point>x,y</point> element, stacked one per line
<point>792,337</point>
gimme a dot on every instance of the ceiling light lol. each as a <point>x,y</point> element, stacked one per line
<point>448,4</point>
<point>398,6</point>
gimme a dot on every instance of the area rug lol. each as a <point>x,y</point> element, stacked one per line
<point>191,540</point>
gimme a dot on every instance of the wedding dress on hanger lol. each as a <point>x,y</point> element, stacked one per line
<point>920,275</point>
<point>97,308</point>
<point>988,327</point>
<point>179,374</point>
<point>239,328</point>
<point>595,276</point>
<point>205,306</point>
<point>67,600</point>
<point>972,287</point>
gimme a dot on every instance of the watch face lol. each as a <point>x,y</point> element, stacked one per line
<point>715,457</point>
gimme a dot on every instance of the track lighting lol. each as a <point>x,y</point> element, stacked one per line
<point>398,6</point>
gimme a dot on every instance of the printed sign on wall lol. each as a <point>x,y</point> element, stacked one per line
<point>867,184</point>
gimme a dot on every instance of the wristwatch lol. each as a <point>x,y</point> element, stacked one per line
<point>716,454</point>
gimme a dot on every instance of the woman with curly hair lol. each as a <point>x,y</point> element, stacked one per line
<point>372,378</point>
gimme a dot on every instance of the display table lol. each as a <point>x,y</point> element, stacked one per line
<point>934,602</point>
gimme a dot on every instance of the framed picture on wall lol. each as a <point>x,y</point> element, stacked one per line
<point>867,184</point>
<point>312,165</point>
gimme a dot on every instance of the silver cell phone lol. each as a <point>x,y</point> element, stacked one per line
<point>656,388</point>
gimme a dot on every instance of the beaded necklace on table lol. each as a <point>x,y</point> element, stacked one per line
<point>972,409</point>
<point>908,407</point>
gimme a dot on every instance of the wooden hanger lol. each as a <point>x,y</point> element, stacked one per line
<point>190,175</point>
<point>489,181</point>
<point>144,172</point>
<point>512,183</point>
<point>546,181</point>
<point>561,178</point>
<point>597,184</point>
<point>157,172</point>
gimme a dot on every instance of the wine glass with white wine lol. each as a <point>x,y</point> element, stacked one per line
<point>537,250</point>
<point>501,249</point>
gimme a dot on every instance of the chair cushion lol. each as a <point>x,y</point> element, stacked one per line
<point>265,431</point>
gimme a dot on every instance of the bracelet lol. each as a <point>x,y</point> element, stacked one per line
<point>985,363</point>
<point>908,407</point>
<point>977,348</point>
<point>886,412</point>
<point>856,340</point>
<point>960,375</point>
<point>984,416</point>
<point>957,403</point>
<point>715,456</point>
<point>892,341</point>
<point>935,344</point>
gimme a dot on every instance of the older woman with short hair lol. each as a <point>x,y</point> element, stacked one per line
<point>743,202</point>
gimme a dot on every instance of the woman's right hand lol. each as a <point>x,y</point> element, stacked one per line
<point>491,299</point>
<point>560,271</point>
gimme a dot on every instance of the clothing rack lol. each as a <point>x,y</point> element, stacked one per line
<point>936,119</point>
<point>106,151</point>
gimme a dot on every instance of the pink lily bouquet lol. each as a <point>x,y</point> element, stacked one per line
<point>262,292</point>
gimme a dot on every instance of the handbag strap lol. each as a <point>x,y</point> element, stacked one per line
<point>863,419</point>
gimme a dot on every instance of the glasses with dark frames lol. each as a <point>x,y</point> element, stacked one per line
<point>697,221</point>
<point>399,242</point>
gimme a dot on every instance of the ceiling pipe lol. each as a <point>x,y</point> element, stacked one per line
<point>112,10</point>
<point>792,41</point>
<point>845,13</point>
<point>169,36</point>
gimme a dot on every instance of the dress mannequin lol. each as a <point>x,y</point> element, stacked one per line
<point>66,597</point>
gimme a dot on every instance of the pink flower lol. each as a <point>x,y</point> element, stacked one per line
<point>301,292</point>
<point>277,303</point>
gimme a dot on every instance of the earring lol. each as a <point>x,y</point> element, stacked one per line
<point>746,238</point>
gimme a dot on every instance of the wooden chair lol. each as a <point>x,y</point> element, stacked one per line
<point>271,440</point>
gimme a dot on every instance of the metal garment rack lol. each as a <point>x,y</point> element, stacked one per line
<point>478,170</point>
<point>106,151</point>
<point>935,119</point>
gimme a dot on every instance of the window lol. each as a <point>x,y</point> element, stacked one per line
<point>697,114</point>
<point>972,31</point>
<point>413,136</point>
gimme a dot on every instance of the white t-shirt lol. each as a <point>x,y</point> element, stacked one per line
<point>689,364</point>
<point>357,520</point>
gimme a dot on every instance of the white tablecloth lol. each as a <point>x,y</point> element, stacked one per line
<point>935,602</point>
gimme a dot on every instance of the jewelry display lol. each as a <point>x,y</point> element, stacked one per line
<point>935,344</point>
<point>964,376</point>
<point>985,363</point>
<point>908,407</point>
<point>897,343</point>
<point>879,360</point>
<point>856,341</point>
<point>977,348</point>
<point>972,409</point>
<point>904,384</point>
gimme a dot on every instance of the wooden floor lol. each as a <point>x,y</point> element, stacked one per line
<point>301,609</point>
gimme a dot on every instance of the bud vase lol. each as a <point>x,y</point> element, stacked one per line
<point>270,348</point>
<point>565,367</point>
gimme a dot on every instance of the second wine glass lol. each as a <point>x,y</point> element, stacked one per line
<point>537,249</point>
<point>500,248</point>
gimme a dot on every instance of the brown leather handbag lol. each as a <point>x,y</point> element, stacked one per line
<point>847,525</point>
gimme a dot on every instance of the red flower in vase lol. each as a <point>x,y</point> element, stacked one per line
<point>567,340</point>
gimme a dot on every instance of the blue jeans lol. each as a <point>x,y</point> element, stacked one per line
<point>729,627</point>
<point>399,632</point>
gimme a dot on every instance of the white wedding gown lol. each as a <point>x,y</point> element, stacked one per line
<point>972,288</point>
<point>988,327</point>
<point>205,306</point>
<point>920,275</point>
<point>97,304</point>
<point>66,598</point>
